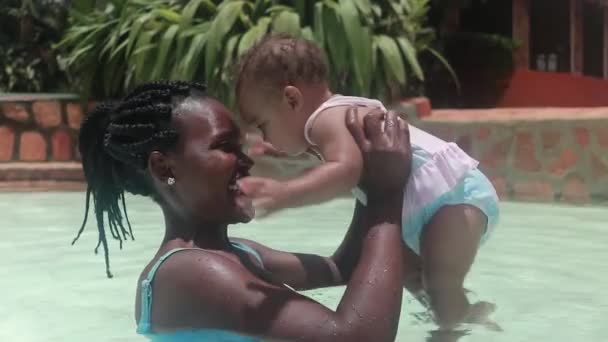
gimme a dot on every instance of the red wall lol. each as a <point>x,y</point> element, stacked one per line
<point>544,89</point>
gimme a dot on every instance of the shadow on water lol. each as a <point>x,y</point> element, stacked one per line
<point>438,335</point>
<point>441,335</point>
<point>447,335</point>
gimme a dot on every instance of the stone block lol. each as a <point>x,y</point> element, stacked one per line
<point>575,190</point>
<point>598,167</point>
<point>602,136</point>
<point>32,147</point>
<point>551,139</point>
<point>16,112</point>
<point>47,113</point>
<point>483,133</point>
<point>74,111</point>
<point>496,156</point>
<point>7,143</point>
<point>525,153</point>
<point>465,143</point>
<point>61,143</point>
<point>582,136</point>
<point>564,162</point>
<point>501,186</point>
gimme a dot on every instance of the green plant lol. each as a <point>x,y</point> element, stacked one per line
<point>20,71</point>
<point>491,53</point>
<point>27,30</point>
<point>372,48</point>
<point>131,41</point>
<point>485,64</point>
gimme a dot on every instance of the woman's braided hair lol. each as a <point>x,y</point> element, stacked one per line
<point>115,142</point>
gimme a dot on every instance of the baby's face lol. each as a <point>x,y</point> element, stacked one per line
<point>274,118</point>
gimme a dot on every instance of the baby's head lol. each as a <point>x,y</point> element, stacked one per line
<point>281,80</point>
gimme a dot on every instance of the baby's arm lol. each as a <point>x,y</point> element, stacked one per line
<point>342,165</point>
<point>336,176</point>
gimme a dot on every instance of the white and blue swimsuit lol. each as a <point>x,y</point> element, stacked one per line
<point>442,174</point>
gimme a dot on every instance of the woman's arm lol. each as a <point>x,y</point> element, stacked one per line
<point>342,164</point>
<point>232,298</point>
<point>235,299</point>
<point>303,271</point>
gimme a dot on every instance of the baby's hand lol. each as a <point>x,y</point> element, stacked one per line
<point>259,147</point>
<point>267,194</point>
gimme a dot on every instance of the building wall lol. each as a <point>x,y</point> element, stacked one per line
<point>544,89</point>
<point>593,40</point>
<point>550,31</point>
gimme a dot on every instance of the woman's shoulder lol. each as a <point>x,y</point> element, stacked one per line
<point>197,283</point>
<point>196,262</point>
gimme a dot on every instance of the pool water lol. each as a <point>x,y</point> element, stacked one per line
<point>546,268</point>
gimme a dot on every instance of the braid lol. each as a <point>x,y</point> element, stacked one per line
<point>115,142</point>
<point>176,86</point>
<point>281,60</point>
<point>131,114</point>
<point>133,131</point>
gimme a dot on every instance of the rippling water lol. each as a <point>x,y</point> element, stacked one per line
<point>546,267</point>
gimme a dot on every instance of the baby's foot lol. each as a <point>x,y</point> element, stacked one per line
<point>481,310</point>
<point>479,313</point>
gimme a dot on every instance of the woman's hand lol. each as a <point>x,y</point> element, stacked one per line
<point>384,141</point>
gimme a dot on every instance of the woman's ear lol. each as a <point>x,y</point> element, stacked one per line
<point>293,96</point>
<point>160,167</point>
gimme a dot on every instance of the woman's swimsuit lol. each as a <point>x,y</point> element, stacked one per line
<point>145,327</point>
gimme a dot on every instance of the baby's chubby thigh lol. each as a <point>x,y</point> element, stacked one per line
<point>472,205</point>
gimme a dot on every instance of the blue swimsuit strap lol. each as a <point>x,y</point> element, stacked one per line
<point>247,249</point>
<point>145,326</point>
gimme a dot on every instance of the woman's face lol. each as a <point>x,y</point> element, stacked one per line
<point>207,163</point>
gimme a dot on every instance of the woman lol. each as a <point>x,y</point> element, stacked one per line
<point>171,142</point>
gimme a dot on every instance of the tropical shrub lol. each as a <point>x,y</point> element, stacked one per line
<point>27,31</point>
<point>373,47</point>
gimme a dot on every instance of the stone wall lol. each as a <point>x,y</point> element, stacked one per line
<point>551,154</point>
<point>39,128</point>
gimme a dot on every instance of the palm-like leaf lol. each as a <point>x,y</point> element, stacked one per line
<point>372,46</point>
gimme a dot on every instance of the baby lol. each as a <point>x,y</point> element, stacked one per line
<point>450,207</point>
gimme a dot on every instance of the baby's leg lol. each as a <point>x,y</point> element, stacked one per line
<point>448,247</point>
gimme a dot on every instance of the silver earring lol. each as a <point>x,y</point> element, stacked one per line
<point>170,180</point>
